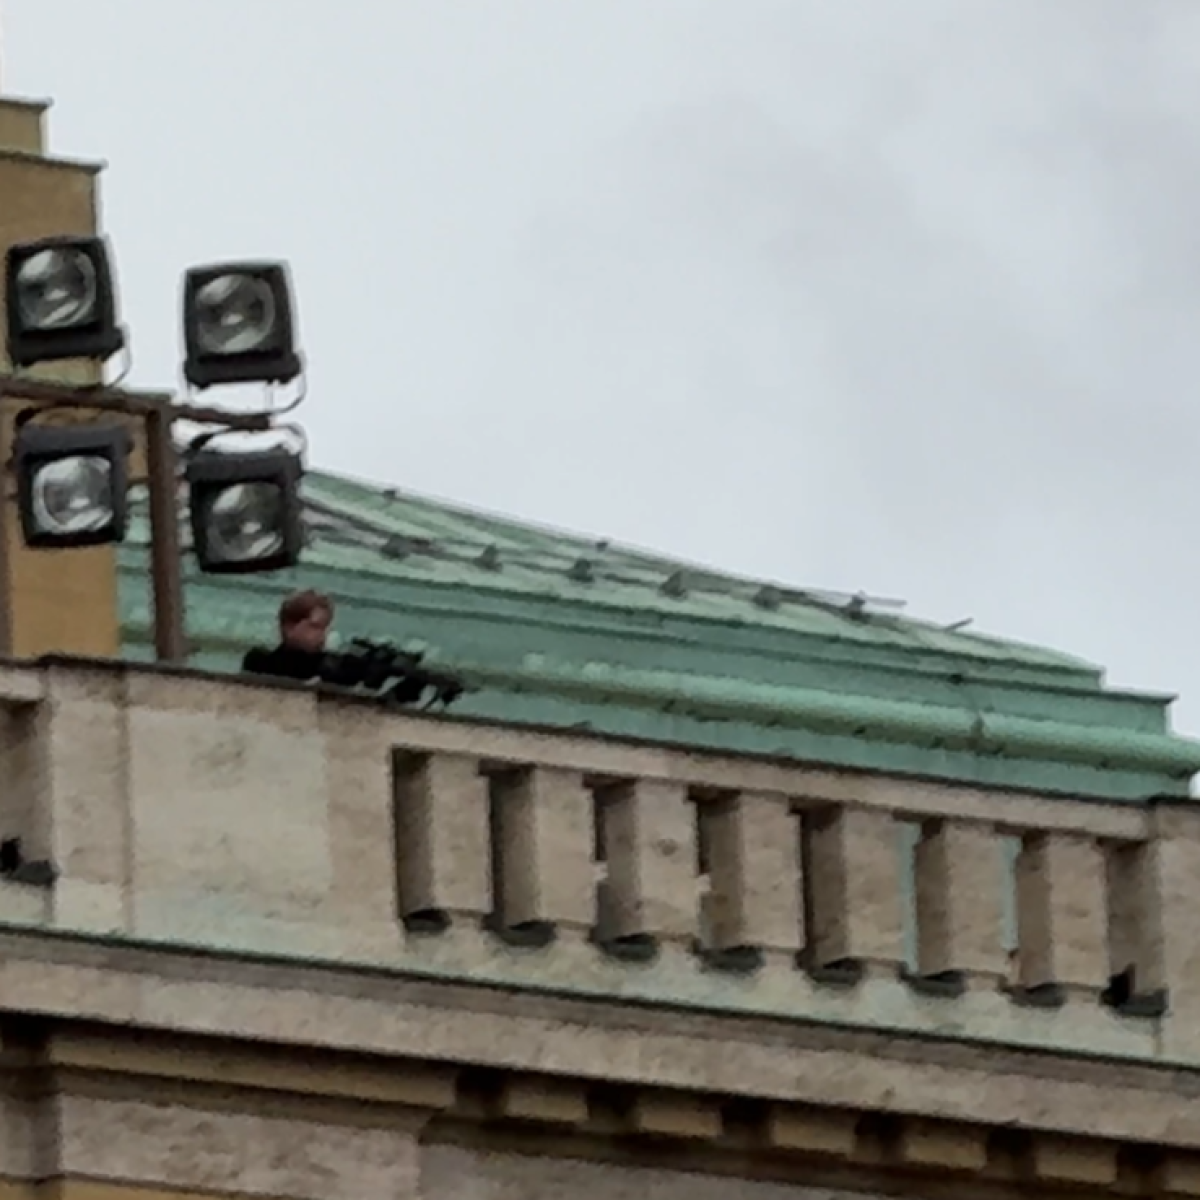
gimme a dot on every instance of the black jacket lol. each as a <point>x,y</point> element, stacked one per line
<point>290,662</point>
<point>308,666</point>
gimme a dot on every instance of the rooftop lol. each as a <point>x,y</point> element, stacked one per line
<point>569,631</point>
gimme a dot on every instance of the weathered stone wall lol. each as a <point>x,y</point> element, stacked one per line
<point>217,813</point>
<point>147,1068</point>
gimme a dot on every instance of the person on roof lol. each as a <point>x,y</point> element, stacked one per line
<point>302,654</point>
<point>305,619</point>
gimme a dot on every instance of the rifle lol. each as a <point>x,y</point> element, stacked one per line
<point>400,676</point>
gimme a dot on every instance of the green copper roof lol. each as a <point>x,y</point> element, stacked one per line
<point>559,629</point>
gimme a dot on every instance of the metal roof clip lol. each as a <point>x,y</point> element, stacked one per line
<point>768,597</point>
<point>395,547</point>
<point>674,585</point>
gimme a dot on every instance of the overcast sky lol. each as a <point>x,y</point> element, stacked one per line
<point>900,295</point>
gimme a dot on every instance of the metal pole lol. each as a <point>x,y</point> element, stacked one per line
<point>166,561</point>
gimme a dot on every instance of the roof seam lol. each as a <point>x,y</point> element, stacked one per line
<point>384,537</point>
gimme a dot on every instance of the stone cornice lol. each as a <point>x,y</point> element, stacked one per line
<point>100,1072</point>
<point>606,1046</point>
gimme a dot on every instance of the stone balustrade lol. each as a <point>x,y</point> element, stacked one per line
<point>267,820</point>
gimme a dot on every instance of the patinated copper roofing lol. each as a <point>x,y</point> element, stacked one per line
<point>567,630</point>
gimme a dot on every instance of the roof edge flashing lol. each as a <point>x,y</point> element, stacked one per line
<point>933,729</point>
<point>940,727</point>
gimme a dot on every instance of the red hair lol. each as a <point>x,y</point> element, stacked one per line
<point>299,606</point>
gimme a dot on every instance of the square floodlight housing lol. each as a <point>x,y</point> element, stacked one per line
<point>97,334</point>
<point>273,359</point>
<point>211,473</point>
<point>38,447</point>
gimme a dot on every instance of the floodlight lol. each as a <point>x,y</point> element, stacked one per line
<point>61,301</point>
<point>71,484</point>
<point>238,325</point>
<point>245,510</point>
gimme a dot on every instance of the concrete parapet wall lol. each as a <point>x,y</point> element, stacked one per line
<point>236,816</point>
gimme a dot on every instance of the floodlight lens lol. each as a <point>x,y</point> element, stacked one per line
<point>245,522</point>
<point>73,495</point>
<point>56,289</point>
<point>234,314</point>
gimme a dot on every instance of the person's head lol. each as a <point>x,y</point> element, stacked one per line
<point>304,620</point>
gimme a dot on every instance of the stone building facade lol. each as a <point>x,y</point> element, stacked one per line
<point>713,889</point>
<point>258,940</point>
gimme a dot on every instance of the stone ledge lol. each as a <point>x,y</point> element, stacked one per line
<point>99,1075</point>
<point>604,1043</point>
<point>37,161</point>
<point>740,985</point>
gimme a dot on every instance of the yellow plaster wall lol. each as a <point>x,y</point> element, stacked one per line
<point>22,125</point>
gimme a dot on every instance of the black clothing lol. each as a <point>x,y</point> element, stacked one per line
<point>291,662</point>
<point>340,670</point>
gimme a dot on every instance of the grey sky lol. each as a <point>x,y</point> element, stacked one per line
<point>901,295</point>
